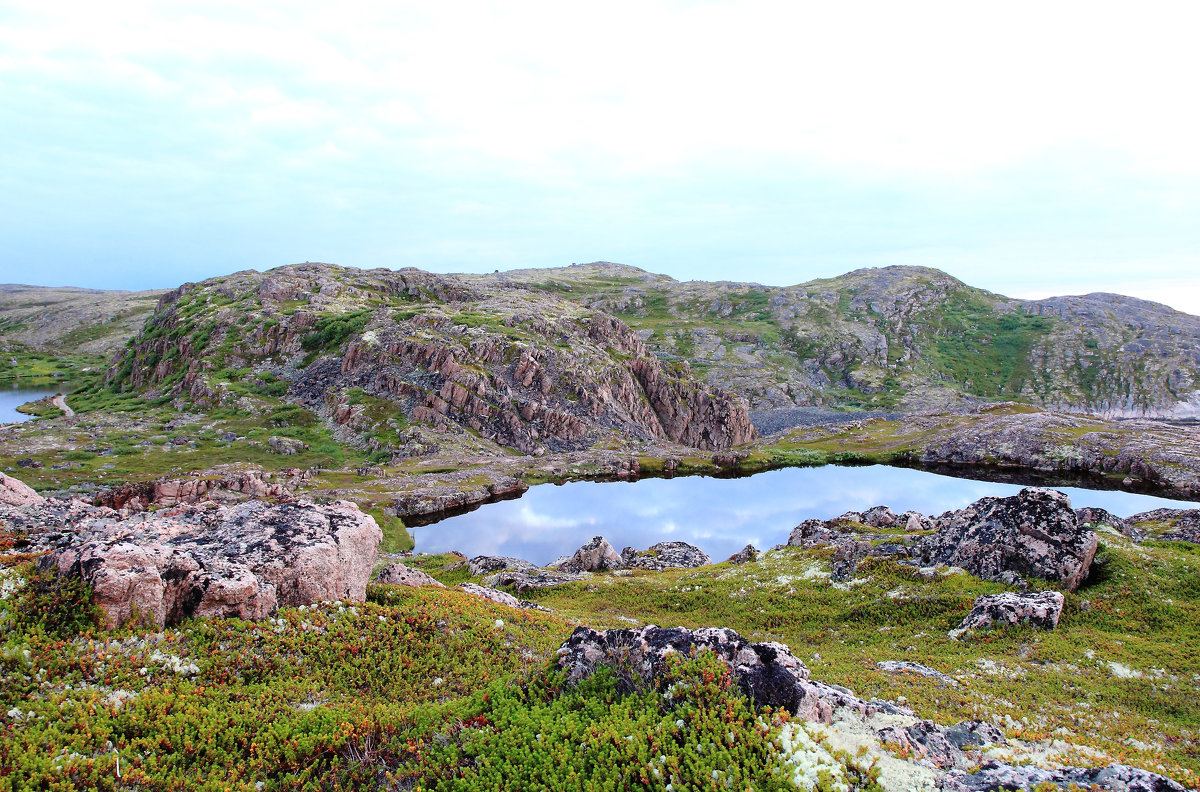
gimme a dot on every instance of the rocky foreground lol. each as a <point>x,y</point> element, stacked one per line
<point>291,577</point>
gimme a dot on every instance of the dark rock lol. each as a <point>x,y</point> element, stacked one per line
<point>1094,518</point>
<point>228,437</point>
<point>1034,533</point>
<point>880,517</point>
<point>28,463</point>
<point>924,740</point>
<point>665,555</point>
<point>974,734</point>
<point>745,555</point>
<point>1042,610</point>
<point>846,558</point>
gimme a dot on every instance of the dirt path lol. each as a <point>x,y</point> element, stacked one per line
<point>60,402</point>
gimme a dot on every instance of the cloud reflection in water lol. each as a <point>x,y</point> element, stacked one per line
<point>718,515</point>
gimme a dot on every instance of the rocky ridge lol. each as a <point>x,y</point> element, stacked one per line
<point>373,351</point>
<point>906,338</point>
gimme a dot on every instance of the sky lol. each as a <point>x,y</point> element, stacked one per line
<point>1029,148</point>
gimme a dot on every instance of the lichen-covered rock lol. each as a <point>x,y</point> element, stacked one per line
<point>211,560</point>
<point>400,575</point>
<point>17,494</point>
<point>905,667</point>
<point>1034,533</point>
<point>597,555</point>
<point>1095,517</point>
<point>846,558</point>
<point>1042,610</point>
<point>499,597</point>
<point>286,445</point>
<point>745,555</point>
<point>1114,778</point>
<point>665,555</point>
<point>767,672</point>
<point>486,565</point>
<point>523,581</point>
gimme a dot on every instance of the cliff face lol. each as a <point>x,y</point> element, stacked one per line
<point>903,338</point>
<point>374,351</point>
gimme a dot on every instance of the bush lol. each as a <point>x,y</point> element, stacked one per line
<point>55,605</point>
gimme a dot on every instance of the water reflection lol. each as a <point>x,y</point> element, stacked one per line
<point>12,398</point>
<point>718,515</point>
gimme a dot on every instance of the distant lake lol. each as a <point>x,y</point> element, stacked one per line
<point>12,398</point>
<point>719,515</point>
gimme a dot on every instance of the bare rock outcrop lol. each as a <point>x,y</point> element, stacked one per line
<point>16,494</point>
<point>486,565</point>
<point>597,555</point>
<point>400,575</point>
<point>1034,533</point>
<point>665,555</point>
<point>1114,778</point>
<point>1041,610</point>
<point>744,556</point>
<point>499,597</point>
<point>767,672</point>
<point>140,495</point>
<point>211,560</point>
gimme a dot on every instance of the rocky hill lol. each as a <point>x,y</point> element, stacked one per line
<point>372,351</point>
<point>897,339</point>
<point>902,338</point>
<point>70,320</point>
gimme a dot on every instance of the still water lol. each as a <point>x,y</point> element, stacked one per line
<point>718,515</point>
<point>12,398</point>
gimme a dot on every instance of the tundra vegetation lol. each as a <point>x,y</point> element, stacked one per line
<point>344,374</point>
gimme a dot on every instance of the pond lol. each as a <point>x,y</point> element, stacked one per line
<point>14,397</point>
<point>719,515</point>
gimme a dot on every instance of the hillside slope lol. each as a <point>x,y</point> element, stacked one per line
<point>69,320</point>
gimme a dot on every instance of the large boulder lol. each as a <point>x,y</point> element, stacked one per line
<point>665,555</point>
<point>1042,610</point>
<point>210,560</point>
<point>597,555</point>
<point>1034,533</point>
<point>17,494</point>
<point>767,672</point>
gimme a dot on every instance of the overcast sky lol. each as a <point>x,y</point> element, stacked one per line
<point>1027,148</point>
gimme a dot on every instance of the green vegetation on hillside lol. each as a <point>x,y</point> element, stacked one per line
<point>982,350</point>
